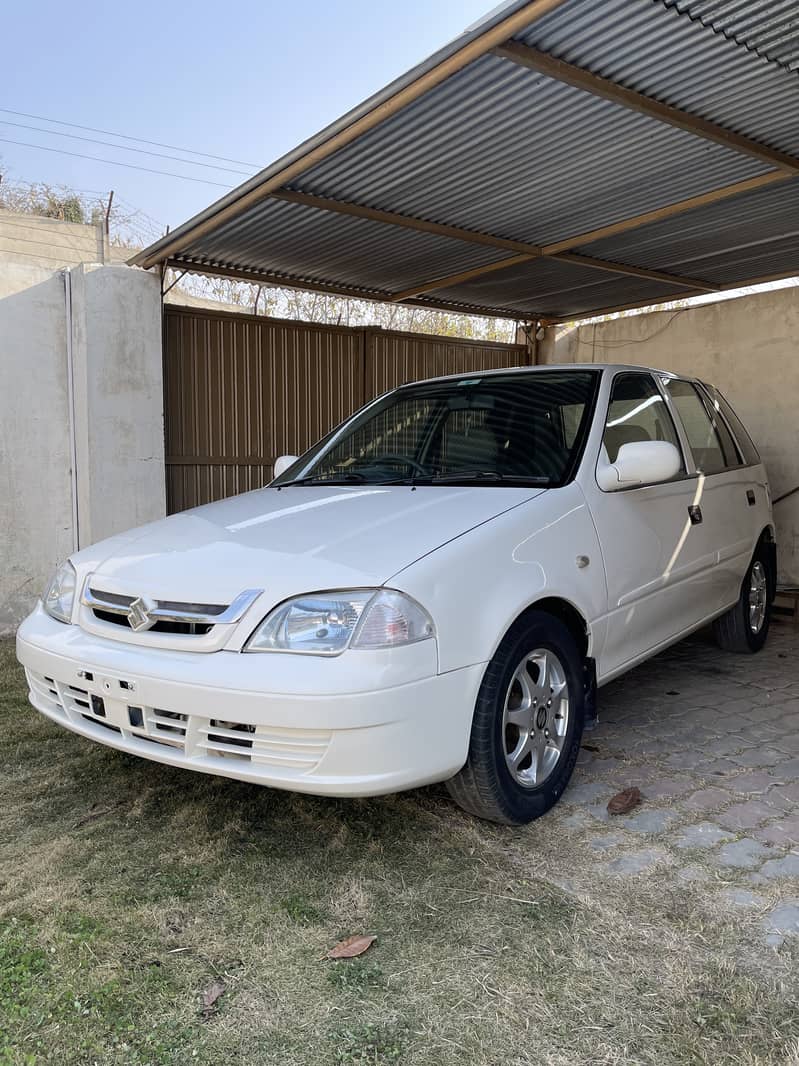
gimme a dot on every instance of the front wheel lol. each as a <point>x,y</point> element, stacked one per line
<point>527,726</point>
<point>745,626</point>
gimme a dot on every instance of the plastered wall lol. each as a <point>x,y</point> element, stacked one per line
<point>749,348</point>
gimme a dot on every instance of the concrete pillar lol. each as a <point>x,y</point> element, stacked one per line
<point>546,346</point>
<point>115,317</point>
<point>81,417</point>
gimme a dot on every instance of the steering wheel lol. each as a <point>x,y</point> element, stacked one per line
<point>393,457</point>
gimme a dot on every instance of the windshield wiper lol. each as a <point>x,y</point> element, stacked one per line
<point>454,476</point>
<point>488,475</point>
<point>324,479</point>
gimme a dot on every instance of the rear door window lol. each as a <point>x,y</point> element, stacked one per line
<point>711,444</point>
<point>745,444</point>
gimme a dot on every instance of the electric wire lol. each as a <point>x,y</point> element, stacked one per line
<point>127,137</point>
<point>123,148</point>
<point>115,163</point>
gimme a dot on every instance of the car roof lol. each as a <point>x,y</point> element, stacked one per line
<point>543,367</point>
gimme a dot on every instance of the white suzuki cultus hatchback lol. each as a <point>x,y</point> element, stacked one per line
<point>432,593</point>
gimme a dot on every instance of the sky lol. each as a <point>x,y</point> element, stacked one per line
<point>246,80</point>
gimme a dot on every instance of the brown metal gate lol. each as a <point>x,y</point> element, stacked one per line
<point>240,390</point>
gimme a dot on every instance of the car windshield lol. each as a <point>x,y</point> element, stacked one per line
<point>499,429</point>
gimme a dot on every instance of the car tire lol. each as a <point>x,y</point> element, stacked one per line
<point>745,626</point>
<point>527,726</point>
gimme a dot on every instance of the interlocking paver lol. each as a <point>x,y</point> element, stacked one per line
<point>716,757</point>
<point>782,922</point>
<point>652,820</point>
<point>668,787</point>
<point>788,793</point>
<point>724,745</point>
<point>756,782</point>
<point>635,862</point>
<point>788,866</point>
<point>599,766</point>
<point>686,760</point>
<point>742,897</point>
<point>784,831</point>
<point>702,835</point>
<point>693,873</point>
<point>743,854</point>
<point>606,841</point>
<point>747,815</point>
<point>708,799</point>
<point>589,792</point>
<point>757,757</point>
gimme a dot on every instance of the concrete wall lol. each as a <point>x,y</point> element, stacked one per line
<point>105,321</point>
<point>749,348</point>
<point>51,243</point>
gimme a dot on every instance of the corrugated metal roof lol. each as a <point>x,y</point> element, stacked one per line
<point>656,50</point>
<point>498,149</point>
<point>769,28</point>
<point>502,150</point>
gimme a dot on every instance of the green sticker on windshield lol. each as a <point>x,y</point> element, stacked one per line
<point>470,381</point>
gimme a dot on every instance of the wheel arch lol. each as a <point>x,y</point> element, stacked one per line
<point>566,612</point>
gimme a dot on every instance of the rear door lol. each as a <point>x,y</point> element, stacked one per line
<point>730,494</point>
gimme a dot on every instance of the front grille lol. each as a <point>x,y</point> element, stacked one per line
<point>142,615</point>
<point>194,736</point>
<point>194,629</point>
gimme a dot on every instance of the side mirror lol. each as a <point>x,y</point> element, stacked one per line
<point>644,462</point>
<point>283,463</point>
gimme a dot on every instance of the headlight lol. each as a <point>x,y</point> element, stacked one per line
<point>60,594</point>
<point>326,623</point>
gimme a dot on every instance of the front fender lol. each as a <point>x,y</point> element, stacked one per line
<point>478,584</point>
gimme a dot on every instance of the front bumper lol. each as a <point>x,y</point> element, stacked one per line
<point>364,724</point>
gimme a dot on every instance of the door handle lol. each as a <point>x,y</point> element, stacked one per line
<point>695,514</point>
<point>750,497</point>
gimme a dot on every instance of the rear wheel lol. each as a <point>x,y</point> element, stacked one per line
<point>527,726</point>
<point>745,626</point>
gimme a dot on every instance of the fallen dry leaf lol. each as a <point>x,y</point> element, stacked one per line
<point>351,947</point>
<point>210,997</point>
<point>624,802</point>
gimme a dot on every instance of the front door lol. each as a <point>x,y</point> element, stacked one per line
<point>658,563</point>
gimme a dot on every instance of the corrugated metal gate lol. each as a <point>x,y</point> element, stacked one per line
<point>240,390</point>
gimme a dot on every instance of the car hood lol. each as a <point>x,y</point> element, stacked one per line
<point>293,540</point>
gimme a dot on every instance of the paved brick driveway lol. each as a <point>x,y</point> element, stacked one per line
<point>712,741</point>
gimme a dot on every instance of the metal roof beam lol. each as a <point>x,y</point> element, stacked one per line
<point>559,70</point>
<point>763,279</point>
<point>668,211</point>
<point>635,272</point>
<point>322,203</point>
<point>577,260</point>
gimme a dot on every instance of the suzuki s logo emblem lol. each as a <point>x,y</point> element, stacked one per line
<point>139,614</point>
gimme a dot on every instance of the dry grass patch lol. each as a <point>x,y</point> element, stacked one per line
<point>112,928</point>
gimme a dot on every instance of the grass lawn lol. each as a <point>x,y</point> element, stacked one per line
<point>127,889</point>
